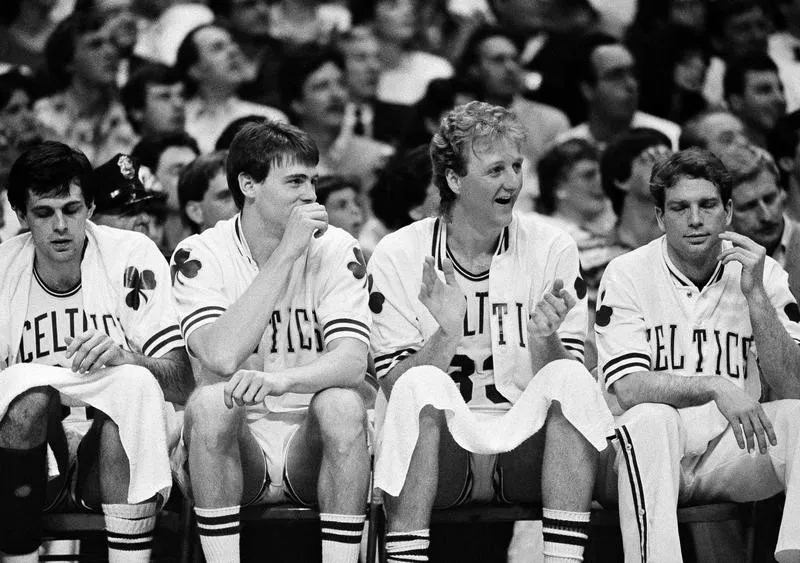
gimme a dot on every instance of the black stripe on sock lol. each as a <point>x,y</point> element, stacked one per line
<point>125,536</point>
<point>347,526</point>
<point>558,538</point>
<point>229,531</point>
<point>339,538</point>
<point>215,520</point>
<point>392,537</point>
<point>140,546</point>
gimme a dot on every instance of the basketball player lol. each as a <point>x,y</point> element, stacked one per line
<point>273,307</point>
<point>93,304</point>
<point>511,301</point>
<point>680,323</point>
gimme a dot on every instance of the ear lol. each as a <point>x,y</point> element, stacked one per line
<point>297,108</point>
<point>453,181</point>
<point>660,218</point>
<point>247,185</point>
<point>194,72</point>
<point>23,221</point>
<point>624,186</point>
<point>735,102</point>
<point>137,115</point>
<point>728,212</point>
<point>586,90</point>
<point>194,211</point>
<point>416,213</point>
<point>90,212</point>
<point>786,164</point>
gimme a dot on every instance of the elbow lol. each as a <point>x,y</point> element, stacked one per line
<point>355,368</point>
<point>222,365</point>
<point>623,390</point>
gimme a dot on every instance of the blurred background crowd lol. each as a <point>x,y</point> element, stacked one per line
<point>604,88</point>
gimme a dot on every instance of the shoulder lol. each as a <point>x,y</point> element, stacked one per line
<point>249,108</point>
<point>408,244</point>
<point>216,241</point>
<point>430,64</point>
<point>539,232</point>
<point>119,242</point>
<point>641,119</point>
<point>632,265</point>
<point>544,113</point>
<point>580,131</point>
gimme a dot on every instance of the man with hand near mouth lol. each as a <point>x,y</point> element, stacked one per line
<point>679,325</point>
<point>505,321</point>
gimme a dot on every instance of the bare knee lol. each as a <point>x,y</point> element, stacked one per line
<point>340,416</point>
<point>25,422</point>
<point>209,422</point>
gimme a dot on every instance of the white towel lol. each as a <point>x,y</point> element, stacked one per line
<point>130,396</point>
<point>565,381</point>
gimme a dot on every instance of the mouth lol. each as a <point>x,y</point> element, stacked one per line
<point>698,238</point>
<point>504,200</point>
<point>61,244</point>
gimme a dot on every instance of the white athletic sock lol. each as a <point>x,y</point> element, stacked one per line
<point>341,537</point>
<point>219,533</point>
<point>565,535</point>
<point>27,558</point>
<point>411,547</point>
<point>129,530</point>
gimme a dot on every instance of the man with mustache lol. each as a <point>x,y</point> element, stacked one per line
<point>759,209</point>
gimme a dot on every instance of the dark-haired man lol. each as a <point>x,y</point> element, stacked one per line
<point>154,100</point>
<point>273,307</point>
<point>88,321</point>
<point>679,325</point>
<point>203,192</point>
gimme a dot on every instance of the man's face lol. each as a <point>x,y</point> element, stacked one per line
<point>396,20</point>
<point>135,219</point>
<point>172,162</point>
<point>362,67</point>
<point>164,108</point>
<point>693,217</point>
<point>758,210</point>
<point>616,90</point>
<point>120,22</point>
<point>492,184</point>
<point>583,188</point>
<point>18,120</point>
<point>250,17</point>
<point>324,97</point>
<point>220,61</point>
<point>638,183</point>
<point>762,103</point>
<point>344,211</point>
<point>497,67</point>
<point>57,225</point>
<point>96,59</point>
<point>722,132</point>
<point>288,185</point>
<point>745,33</point>
<point>217,203</point>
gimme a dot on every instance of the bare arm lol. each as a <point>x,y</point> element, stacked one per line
<point>543,340</point>
<point>342,365</point>
<point>93,350</point>
<point>438,351</point>
<point>778,354</point>
<point>222,346</point>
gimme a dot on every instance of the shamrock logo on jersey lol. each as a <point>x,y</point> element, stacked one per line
<point>580,287</point>
<point>184,266</point>
<point>604,313</point>
<point>138,284</point>
<point>359,267</point>
<point>793,312</point>
<point>376,298</point>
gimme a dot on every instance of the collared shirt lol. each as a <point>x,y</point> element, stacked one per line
<point>206,122</point>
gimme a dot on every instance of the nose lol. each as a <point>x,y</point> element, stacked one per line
<point>695,217</point>
<point>309,193</point>
<point>60,222</point>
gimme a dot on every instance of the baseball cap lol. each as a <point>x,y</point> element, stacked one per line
<point>118,186</point>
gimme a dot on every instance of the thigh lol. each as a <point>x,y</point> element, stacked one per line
<point>455,476</point>
<point>518,476</point>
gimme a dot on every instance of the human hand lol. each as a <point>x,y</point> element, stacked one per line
<point>304,221</point>
<point>750,255</point>
<point>445,301</point>
<point>250,387</point>
<point>746,416</point>
<point>93,350</point>
<point>551,311</point>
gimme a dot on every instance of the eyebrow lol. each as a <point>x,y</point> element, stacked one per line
<point>296,177</point>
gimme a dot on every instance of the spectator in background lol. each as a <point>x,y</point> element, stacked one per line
<point>611,89</point>
<point>365,114</point>
<point>442,95</point>
<point>784,146</point>
<point>227,135</point>
<point>491,62</point>
<point>314,91</point>
<point>124,203</point>
<point>249,22</point>
<point>406,71</point>
<point>154,100</point>
<point>299,23</point>
<point>625,168</point>
<point>754,93</point>
<point>85,113</point>
<point>18,125</point>
<point>213,68</point>
<point>25,26</point>
<point>715,130</point>
<point>166,155</point>
<point>340,196</point>
<point>784,48</point>
<point>759,210</point>
<point>404,193</point>
<point>203,192</point>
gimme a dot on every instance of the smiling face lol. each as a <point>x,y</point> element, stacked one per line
<point>693,217</point>
<point>488,191</point>
<point>289,184</point>
<point>57,225</point>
